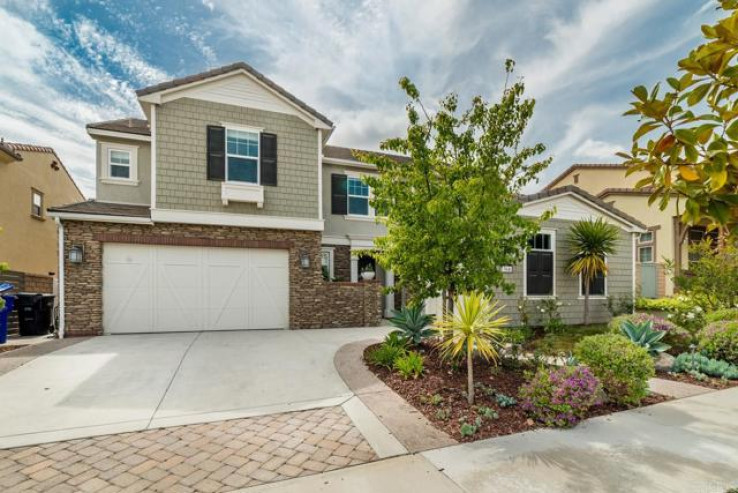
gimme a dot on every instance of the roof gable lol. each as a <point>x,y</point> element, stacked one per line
<point>237,84</point>
<point>574,204</point>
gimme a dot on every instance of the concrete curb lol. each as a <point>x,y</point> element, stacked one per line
<point>407,424</point>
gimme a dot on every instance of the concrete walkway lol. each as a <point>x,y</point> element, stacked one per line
<point>117,384</point>
<point>686,445</point>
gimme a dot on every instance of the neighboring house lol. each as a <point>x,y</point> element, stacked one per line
<point>32,179</point>
<point>542,275</point>
<point>666,238</point>
<point>211,215</point>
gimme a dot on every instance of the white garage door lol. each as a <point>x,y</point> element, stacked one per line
<point>151,288</point>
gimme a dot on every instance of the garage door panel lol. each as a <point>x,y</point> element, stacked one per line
<point>165,288</point>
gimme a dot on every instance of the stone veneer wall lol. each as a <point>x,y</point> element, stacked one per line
<point>313,302</point>
<point>341,262</point>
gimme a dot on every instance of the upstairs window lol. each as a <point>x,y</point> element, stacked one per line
<point>358,197</point>
<point>242,153</point>
<point>539,265</point>
<point>120,164</point>
<point>37,203</point>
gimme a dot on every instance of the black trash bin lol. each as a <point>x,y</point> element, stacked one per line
<point>35,313</point>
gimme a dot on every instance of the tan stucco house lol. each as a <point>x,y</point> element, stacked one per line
<point>32,179</point>
<point>667,237</point>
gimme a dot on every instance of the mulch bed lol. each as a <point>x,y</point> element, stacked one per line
<point>710,383</point>
<point>5,348</point>
<point>440,378</point>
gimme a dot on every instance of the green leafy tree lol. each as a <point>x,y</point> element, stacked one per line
<point>475,324</point>
<point>591,241</point>
<point>688,138</point>
<point>451,209</point>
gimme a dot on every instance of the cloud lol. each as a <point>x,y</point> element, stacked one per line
<point>598,150</point>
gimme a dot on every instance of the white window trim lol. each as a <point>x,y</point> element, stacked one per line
<point>645,242</point>
<point>34,193</point>
<point>592,296</point>
<point>358,217</point>
<point>329,251</point>
<point>132,151</point>
<point>551,232</point>
<point>242,128</point>
<point>638,257</point>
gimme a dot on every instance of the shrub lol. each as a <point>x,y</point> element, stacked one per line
<point>412,324</point>
<point>505,400</point>
<point>385,355</point>
<point>622,367</point>
<point>643,335</point>
<point>661,304</point>
<point>395,339</point>
<point>713,277</point>
<point>561,396</point>
<point>719,340</point>
<point>701,364</point>
<point>722,315</point>
<point>409,365</point>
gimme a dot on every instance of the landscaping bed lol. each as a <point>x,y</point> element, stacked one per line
<point>439,394</point>
<point>709,382</point>
<point>11,347</point>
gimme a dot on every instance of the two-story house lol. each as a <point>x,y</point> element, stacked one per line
<point>225,208</point>
<point>32,179</point>
<point>667,239</point>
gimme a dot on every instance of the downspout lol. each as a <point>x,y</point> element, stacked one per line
<point>60,234</point>
<point>634,266</point>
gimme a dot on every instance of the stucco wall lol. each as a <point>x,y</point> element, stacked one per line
<point>182,160</point>
<point>108,191</point>
<point>27,243</point>
<point>595,180</point>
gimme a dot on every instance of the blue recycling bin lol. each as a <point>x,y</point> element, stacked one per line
<point>5,311</point>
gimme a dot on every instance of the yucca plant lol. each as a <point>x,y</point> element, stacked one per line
<point>474,325</point>
<point>644,335</point>
<point>412,324</point>
<point>592,240</point>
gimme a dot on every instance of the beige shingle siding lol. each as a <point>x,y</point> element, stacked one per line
<point>619,281</point>
<point>182,160</point>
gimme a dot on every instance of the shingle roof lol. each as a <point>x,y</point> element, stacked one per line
<point>625,191</point>
<point>347,153</point>
<point>591,198</point>
<point>125,125</point>
<point>94,207</point>
<point>232,68</point>
<point>577,166</point>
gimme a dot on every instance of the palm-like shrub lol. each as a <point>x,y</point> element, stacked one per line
<point>412,324</point>
<point>475,324</point>
<point>591,241</point>
<point>642,334</point>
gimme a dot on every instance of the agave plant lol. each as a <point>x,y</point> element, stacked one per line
<point>643,335</point>
<point>412,324</point>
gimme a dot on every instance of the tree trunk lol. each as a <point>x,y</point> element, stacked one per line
<point>586,302</point>
<point>451,299</point>
<point>470,374</point>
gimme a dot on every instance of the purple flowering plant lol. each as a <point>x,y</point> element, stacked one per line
<point>560,397</point>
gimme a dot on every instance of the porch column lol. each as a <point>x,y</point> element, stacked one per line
<point>354,268</point>
<point>389,298</point>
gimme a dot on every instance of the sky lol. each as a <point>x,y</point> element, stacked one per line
<point>68,63</point>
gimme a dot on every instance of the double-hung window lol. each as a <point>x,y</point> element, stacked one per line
<point>119,162</point>
<point>539,265</point>
<point>597,286</point>
<point>242,153</point>
<point>358,197</point>
<point>645,247</point>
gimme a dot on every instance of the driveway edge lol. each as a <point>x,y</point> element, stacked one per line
<point>407,424</point>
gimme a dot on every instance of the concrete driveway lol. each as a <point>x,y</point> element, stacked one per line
<point>115,384</point>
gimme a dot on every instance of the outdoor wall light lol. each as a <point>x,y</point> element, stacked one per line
<point>304,260</point>
<point>76,254</point>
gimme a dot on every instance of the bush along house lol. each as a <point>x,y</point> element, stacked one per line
<point>224,209</point>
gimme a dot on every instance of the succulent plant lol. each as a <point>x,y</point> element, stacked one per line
<point>642,334</point>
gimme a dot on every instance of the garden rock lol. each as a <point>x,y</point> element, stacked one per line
<point>664,362</point>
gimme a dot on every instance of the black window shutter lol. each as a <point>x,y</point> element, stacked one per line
<point>269,159</point>
<point>539,273</point>
<point>339,194</point>
<point>216,153</point>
